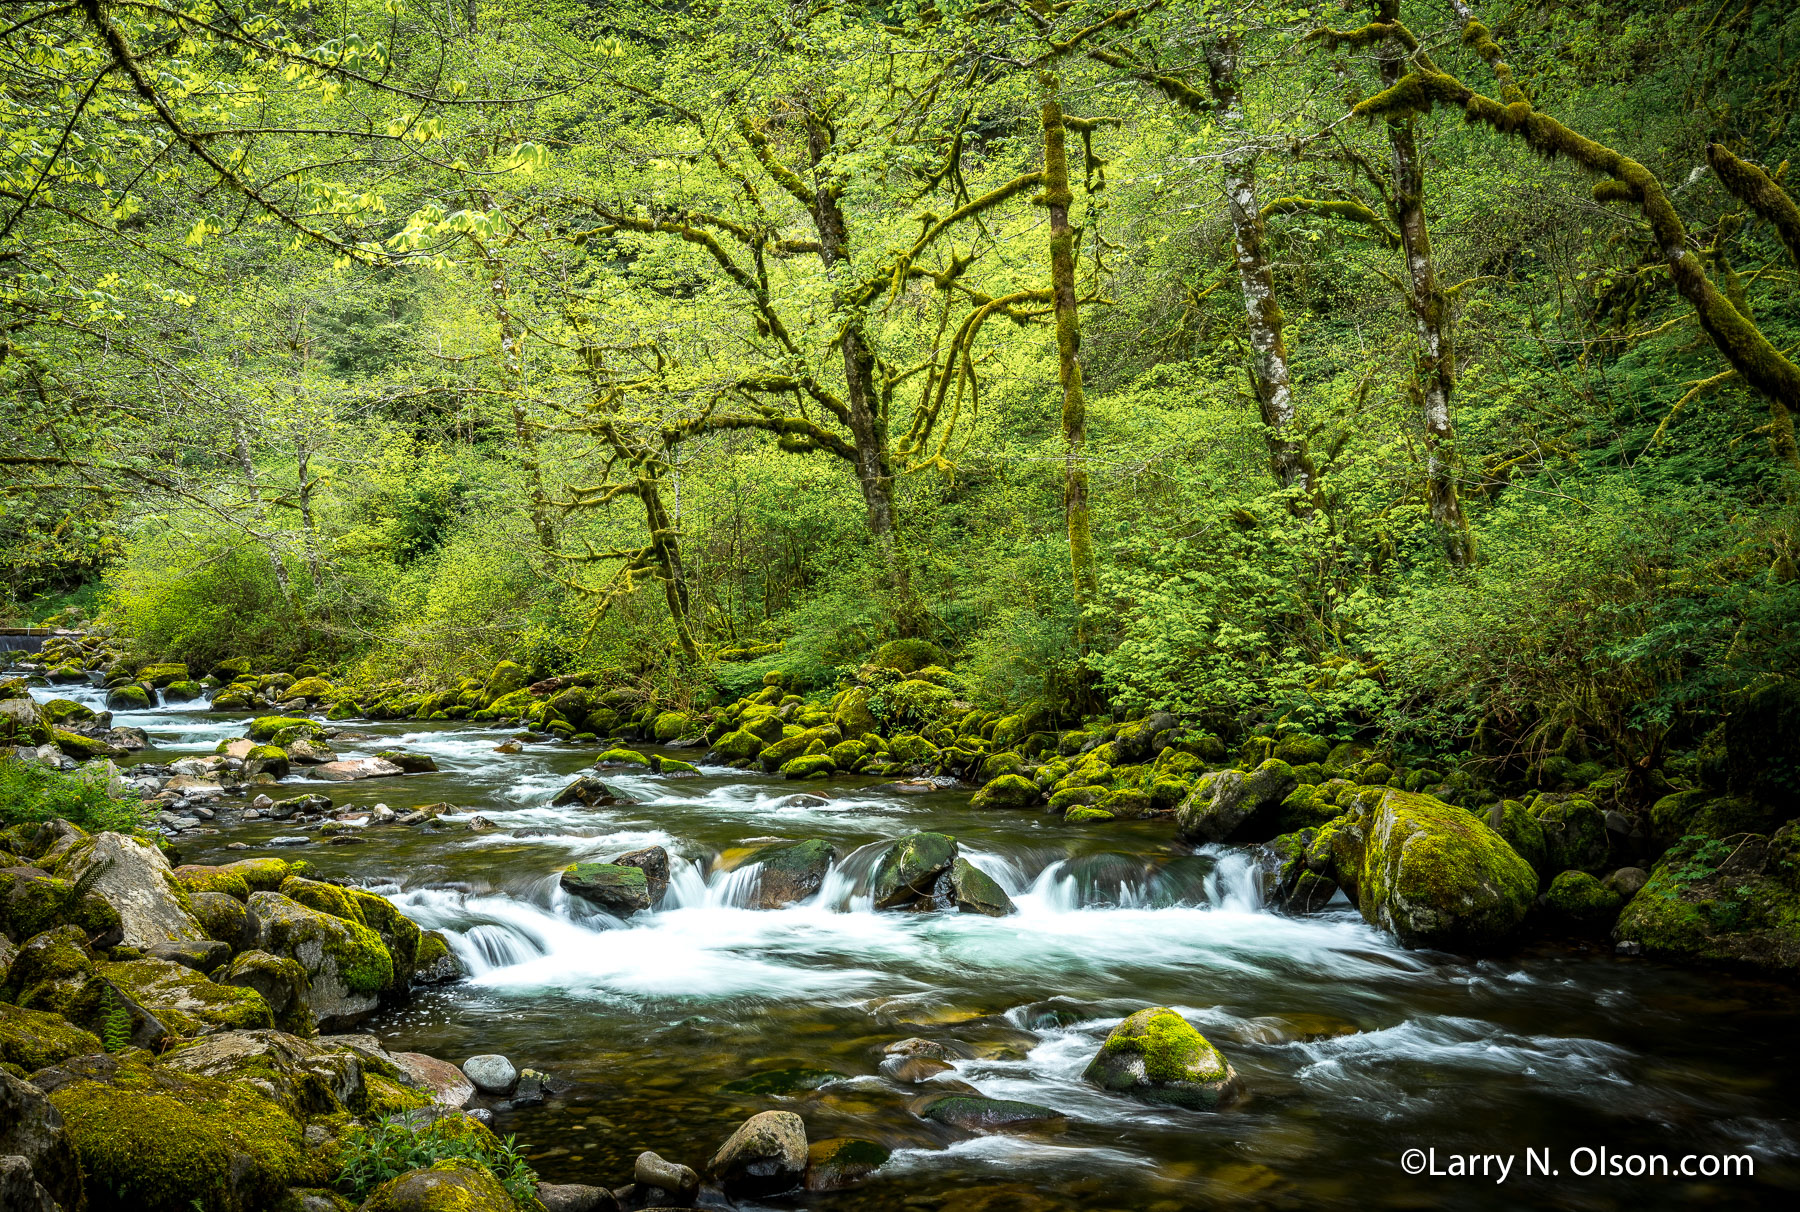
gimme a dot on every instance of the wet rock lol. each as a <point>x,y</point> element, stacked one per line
<point>791,874</point>
<point>910,1070</point>
<point>783,1082</point>
<point>653,861</point>
<point>589,792</point>
<point>136,879</point>
<point>801,800</point>
<point>615,888</point>
<point>765,1156</point>
<point>447,1085</point>
<point>533,1086</point>
<point>201,955</point>
<point>436,964</point>
<point>972,890</point>
<point>910,869</point>
<point>679,1182</point>
<point>290,840</point>
<point>282,983</point>
<point>1577,902</point>
<point>306,751</point>
<point>1627,881</point>
<point>32,1131</point>
<point>1157,1057</point>
<point>32,901</point>
<point>576,1197</point>
<point>1007,791</point>
<point>307,1077</point>
<point>1231,805</point>
<point>184,1000</point>
<point>305,805</point>
<point>410,763</point>
<point>842,1161</point>
<point>491,1073</point>
<point>353,769</point>
<point>974,1113</point>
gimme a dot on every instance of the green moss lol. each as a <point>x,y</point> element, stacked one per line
<point>213,879</point>
<point>1006,791</point>
<point>160,1141</point>
<point>624,755</point>
<point>261,874</point>
<point>1083,815</point>
<point>808,766</point>
<point>187,1002</point>
<point>363,964</point>
<point>326,898</point>
<point>32,1039</point>
<point>389,1097</point>
<point>269,728</point>
<point>1171,1049</point>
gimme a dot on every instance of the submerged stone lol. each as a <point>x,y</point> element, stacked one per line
<point>781,1082</point>
<point>842,1161</point>
<point>975,1113</point>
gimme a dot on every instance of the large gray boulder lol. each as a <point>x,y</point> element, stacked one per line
<point>135,879</point>
<point>791,874</point>
<point>307,1077</point>
<point>910,869</point>
<point>1229,805</point>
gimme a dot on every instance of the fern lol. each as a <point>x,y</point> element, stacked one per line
<point>115,1023</point>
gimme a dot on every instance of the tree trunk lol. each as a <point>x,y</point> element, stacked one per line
<point>249,468</point>
<point>1436,364</point>
<point>469,16</point>
<point>1057,198</point>
<point>308,531</point>
<point>868,427</point>
<point>665,543</point>
<point>1269,376</point>
<point>512,384</point>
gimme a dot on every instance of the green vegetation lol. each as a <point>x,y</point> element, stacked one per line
<point>31,792</point>
<point>370,1156</point>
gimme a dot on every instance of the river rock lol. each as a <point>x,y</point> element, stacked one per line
<point>345,961</point>
<point>435,963</point>
<point>201,955</point>
<point>765,1156</point>
<point>576,1197</point>
<point>843,1161</point>
<point>974,1113</point>
<point>1231,805</point>
<point>615,888</point>
<point>674,1178</point>
<point>447,1085</point>
<point>587,791</point>
<point>307,1077</point>
<point>1156,1056</point>
<point>46,1172</point>
<point>969,889</point>
<point>464,1186</point>
<point>307,751</point>
<point>910,868</point>
<point>411,763</point>
<point>653,861</point>
<point>282,983</point>
<point>491,1073</point>
<point>32,1039</point>
<point>791,874</point>
<point>352,769</point>
<point>1431,874</point>
<point>135,879</point>
<point>184,1000</point>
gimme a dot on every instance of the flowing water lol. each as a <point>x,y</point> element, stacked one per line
<point>1353,1049</point>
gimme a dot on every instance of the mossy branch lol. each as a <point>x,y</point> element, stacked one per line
<point>1760,192</point>
<point>1334,208</point>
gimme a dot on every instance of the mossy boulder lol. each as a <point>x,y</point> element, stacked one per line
<point>154,1139</point>
<point>766,1156</point>
<point>266,759</point>
<point>135,878</point>
<point>1083,815</point>
<point>852,715</point>
<point>188,1003</point>
<point>345,961</point>
<point>1522,832</point>
<point>788,748</point>
<point>80,747</point>
<point>1574,835</point>
<point>842,1161</point>
<point>272,729</point>
<point>307,1078</point>
<point>66,711</point>
<point>1577,902</point>
<point>791,874</point>
<point>33,1039</point>
<point>808,765</point>
<point>451,1185</point>
<point>506,678</point>
<point>911,867</point>
<point>313,690</point>
<point>907,656</point>
<point>973,890</point>
<point>1007,791</point>
<point>622,757</point>
<point>283,985</point>
<point>1232,806</point>
<point>196,878</point>
<point>435,963</point>
<point>1156,1056</point>
<point>615,887</point>
<point>262,874</point>
<point>32,901</point>
<point>671,724</point>
<point>22,722</point>
<point>1762,760</point>
<point>1731,901</point>
<point>738,746</point>
<point>161,675</point>
<point>1431,874</point>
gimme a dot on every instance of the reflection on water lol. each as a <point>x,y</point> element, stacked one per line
<point>1352,1049</point>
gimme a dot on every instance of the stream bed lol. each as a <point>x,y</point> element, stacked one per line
<point>1353,1050</point>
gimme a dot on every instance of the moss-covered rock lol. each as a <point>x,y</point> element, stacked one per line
<point>738,746</point>
<point>906,656</point>
<point>153,1139</point>
<point>32,1039</point>
<point>1007,791</point>
<point>1431,874</point>
<point>1577,902</point>
<point>1231,806</point>
<point>615,887</point>
<point>188,1003</point>
<point>33,901</point>
<point>1574,835</point>
<point>1156,1056</point>
<point>451,1185</point>
<point>671,724</point>
<point>182,692</point>
<point>1733,901</point>
<point>842,1162</point>
<point>161,675</point>
<point>505,678</point>
<point>261,874</point>
<point>791,874</point>
<point>788,748</point>
<point>808,765</point>
<point>307,1078</point>
<point>1522,832</point>
<point>435,963</point>
<point>269,729</point>
<point>973,890</point>
<point>135,878</point>
<point>213,879</point>
<point>1082,815</point>
<point>283,985</point>
<point>345,961</point>
<point>911,867</point>
<point>312,689</point>
<point>1762,760</point>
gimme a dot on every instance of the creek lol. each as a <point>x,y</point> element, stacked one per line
<point>1352,1048</point>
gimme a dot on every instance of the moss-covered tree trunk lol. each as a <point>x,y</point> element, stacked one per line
<point>512,386</point>
<point>868,425</point>
<point>1269,374</point>
<point>665,547</point>
<point>1436,365</point>
<point>1057,198</point>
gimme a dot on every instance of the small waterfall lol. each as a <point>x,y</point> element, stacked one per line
<point>690,889</point>
<point>1235,882</point>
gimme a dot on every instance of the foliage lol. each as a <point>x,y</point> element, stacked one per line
<point>31,791</point>
<point>371,1155</point>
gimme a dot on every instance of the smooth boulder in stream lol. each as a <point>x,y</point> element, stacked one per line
<point>910,869</point>
<point>765,1156</point>
<point>791,874</point>
<point>614,887</point>
<point>1155,1055</point>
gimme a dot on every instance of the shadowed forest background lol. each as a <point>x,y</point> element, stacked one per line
<point>1214,358</point>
